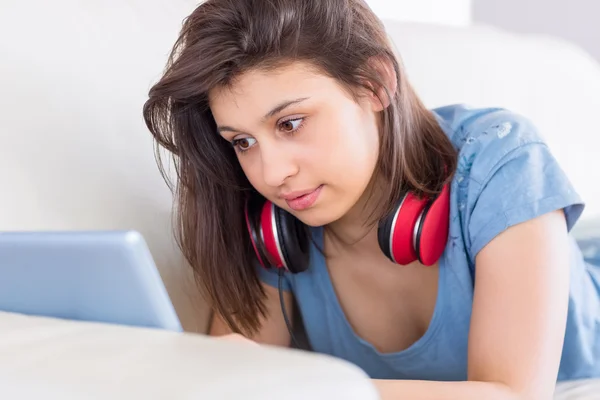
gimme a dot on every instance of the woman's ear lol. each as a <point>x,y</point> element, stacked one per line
<point>378,95</point>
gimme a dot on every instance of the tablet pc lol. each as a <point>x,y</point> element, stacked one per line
<point>99,276</point>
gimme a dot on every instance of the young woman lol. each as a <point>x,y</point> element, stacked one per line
<point>429,247</point>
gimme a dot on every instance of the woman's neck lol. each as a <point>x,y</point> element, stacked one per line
<point>354,232</point>
<point>351,234</point>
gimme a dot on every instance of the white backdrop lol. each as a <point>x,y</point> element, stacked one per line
<point>448,12</point>
<point>573,20</point>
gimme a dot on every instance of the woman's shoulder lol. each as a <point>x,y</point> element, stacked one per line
<point>506,173</point>
<point>461,119</point>
<point>485,137</point>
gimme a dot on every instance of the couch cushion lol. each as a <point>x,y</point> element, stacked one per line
<point>553,82</point>
<point>75,153</point>
<point>56,359</point>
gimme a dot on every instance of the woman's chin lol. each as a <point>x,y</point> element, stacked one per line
<point>315,217</point>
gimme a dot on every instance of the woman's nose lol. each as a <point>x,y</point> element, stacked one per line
<point>278,165</point>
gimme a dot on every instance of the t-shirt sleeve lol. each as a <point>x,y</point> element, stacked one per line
<point>519,179</point>
<point>271,277</point>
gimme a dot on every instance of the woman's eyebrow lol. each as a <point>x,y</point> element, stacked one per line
<point>282,106</point>
<point>277,109</point>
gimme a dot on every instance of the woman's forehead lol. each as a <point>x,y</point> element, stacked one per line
<point>288,77</point>
<point>258,92</point>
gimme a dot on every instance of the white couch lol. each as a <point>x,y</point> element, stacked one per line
<point>75,154</point>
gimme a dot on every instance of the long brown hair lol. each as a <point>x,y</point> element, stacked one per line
<point>224,38</point>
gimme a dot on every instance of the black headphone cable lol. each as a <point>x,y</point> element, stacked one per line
<point>285,317</point>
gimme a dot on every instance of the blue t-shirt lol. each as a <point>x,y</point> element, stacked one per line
<point>506,175</point>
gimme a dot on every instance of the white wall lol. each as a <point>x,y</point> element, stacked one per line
<point>574,20</point>
<point>449,12</point>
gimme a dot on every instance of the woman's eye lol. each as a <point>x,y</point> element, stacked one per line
<point>291,125</point>
<point>244,144</point>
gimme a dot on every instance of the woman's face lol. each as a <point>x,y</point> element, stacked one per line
<point>303,142</point>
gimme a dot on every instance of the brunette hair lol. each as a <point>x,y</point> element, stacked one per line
<point>224,38</point>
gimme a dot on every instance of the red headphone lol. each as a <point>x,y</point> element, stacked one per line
<point>417,229</point>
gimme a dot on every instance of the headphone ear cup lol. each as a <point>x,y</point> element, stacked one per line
<point>270,235</point>
<point>396,231</point>
<point>279,239</point>
<point>293,241</point>
<point>432,232</point>
<point>384,231</point>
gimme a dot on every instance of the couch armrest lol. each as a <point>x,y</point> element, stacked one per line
<point>52,358</point>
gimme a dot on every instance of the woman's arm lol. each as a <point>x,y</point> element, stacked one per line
<point>273,328</point>
<point>518,320</point>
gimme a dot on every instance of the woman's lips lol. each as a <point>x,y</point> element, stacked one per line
<point>303,201</point>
